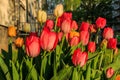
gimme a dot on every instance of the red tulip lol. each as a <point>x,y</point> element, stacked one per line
<point>92,28</point>
<point>112,43</point>
<point>101,22</point>
<point>60,35</point>
<point>32,45</point>
<point>67,16</point>
<point>59,21</point>
<point>65,27</point>
<point>84,26</point>
<point>79,58</point>
<point>84,37</point>
<point>74,25</point>
<point>48,39</point>
<point>108,33</point>
<point>109,72</point>
<point>91,46</point>
<point>49,24</point>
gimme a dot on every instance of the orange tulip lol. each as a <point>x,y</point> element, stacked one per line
<point>117,77</point>
<point>19,42</point>
<point>11,31</point>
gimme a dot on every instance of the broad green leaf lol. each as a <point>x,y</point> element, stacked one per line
<point>15,72</point>
<point>5,69</point>
<point>75,74</point>
<point>88,73</point>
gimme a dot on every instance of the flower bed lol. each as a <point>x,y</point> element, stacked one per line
<point>64,50</point>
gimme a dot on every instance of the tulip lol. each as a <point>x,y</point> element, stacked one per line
<point>48,39</point>
<point>117,77</point>
<point>104,43</point>
<point>100,22</point>
<point>92,28</point>
<point>79,58</point>
<point>109,72</point>
<point>32,45</point>
<point>26,27</point>
<point>91,46</point>
<point>112,43</point>
<point>58,11</point>
<point>67,16</point>
<point>108,33</point>
<point>60,35</point>
<point>65,27</point>
<point>84,26</point>
<point>11,31</point>
<point>42,16</point>
<point>59,21</point>
<point>73,38</point>
<point>84,37</point>
<point>49,24</point>
<point>19,42</point>
<point>74,25</point>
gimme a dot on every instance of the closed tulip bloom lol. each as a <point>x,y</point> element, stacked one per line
<point>92,28</point>
<point>26,27</point>
<point>74,25</point>
<point>11,31</point>
<point>109,72</point>
<point>60,35</point>
<point>48,39</point>
<point>117,77</point>
<point>84,26</point>
<point>104,43</point>
<point>91,46</point>
<point>32,45</point>
<point>67,16</point>
<point>108,33</point>
<point>19,42</point>
<point>84,37</point>
<point>65,27</point>
<point>42,16</point>
<point>100,22</point>
<point>49,24</point>
<point>112,43</point>
<point>79,57</point>
<point>58,11</point>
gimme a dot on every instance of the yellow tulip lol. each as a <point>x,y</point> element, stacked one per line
<point>58,11</point>
<point>26,27</point>
<point>42,16</point>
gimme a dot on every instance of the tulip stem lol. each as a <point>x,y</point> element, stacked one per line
<point>56,24</point>
<point>112,56</point>
<point>55,64</point>
<point>62,41</point>
<point>101,59</point>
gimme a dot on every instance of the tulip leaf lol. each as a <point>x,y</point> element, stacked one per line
<point>88,72</point>
<point>63,74</point>
<point>75,74</point>
<point>5,69</point>
<point>14,72</point>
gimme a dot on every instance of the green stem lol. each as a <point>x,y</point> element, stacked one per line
<point>112,56</point>
<point>56,24</point>
<point>55,69</point>
<point>97,36</point>
<point>41,71</point>
<point>62,41</point>
<point>101,59</point>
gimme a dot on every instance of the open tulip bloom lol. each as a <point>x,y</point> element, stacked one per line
<point>63,50</point>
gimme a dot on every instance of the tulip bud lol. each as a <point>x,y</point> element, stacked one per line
<point>109,72</point>
<point>117,77</point>
<point>84,37</point>
<point>32,45</point>
<point>112,43</point>
<point>104,44</point>
<point>11,31</point>
<point>42,16</point>
<point>100,22</point>
<point>58,11</point>
<point>91,46</point>
<point>19,42</point>
<point>84,26</point>
<point>26,27</point>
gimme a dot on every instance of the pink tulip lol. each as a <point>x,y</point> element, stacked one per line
<point>108,33</point>
<point>74,25</point>
<point>84,26</point>
<point>79,58</point>
<point>112,43</point>
<point>74,41</point>
<point>109,72</point>
<point>49,24</point>
<point>84,37</point>
<point>48,39</point>
<point>100,22</point>
<point>65,27</point>
<point>91,46</point>
<point>32,45</point>
<point>60,35</point>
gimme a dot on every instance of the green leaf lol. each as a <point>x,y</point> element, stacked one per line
<point>14,72</point>
<point>88,72</point>
<point>75,74</point>
<point>63,74</point>
<point>5,69</point>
